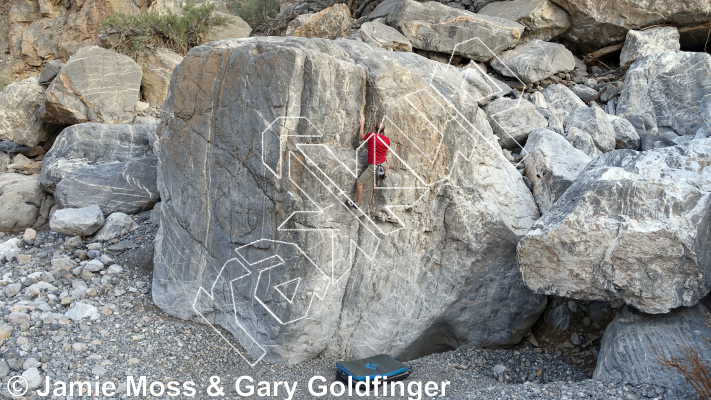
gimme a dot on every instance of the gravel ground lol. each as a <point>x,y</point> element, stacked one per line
<point>62,320</point>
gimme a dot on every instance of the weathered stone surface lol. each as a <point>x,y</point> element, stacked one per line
<point>157,67</point>
<point>221,202</point>
<point>436,27</point>
<point>384,9</point>
<point>597,23</point>
<point>640,44</point>
<point>127,187</point>
<point>582,141</point>
<point>23,203</point>
<point>595,123</point>
<point>50,71</point>
<point>77,221</point>
<point>116,224</point>
<point>561,100</point>
<point>675,95</point>
<point>543,19</point>
<point>95,85</point>
<point>585,93</point>
<point>387,37</point>
<point>632,228</point>
<point>331,23</point>
<point>91,144</point>
<point>483,87</point>
<point>627,350</point>
<point>534,61</point>
<point>512,120</point>
<point>626,136</point>
<point>19,117</point>
<point>552,164</point>
<point>234,28</point>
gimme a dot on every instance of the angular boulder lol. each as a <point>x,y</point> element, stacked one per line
<point>77,221</point>
<point>157,68</point>
<point>512,120</point>
<point>552,165</point>
<point>91,144</point>
<point>95,85</point>
<point>640,44</point>
<point>436,27</point>
<point>233,28</point>
<point>534,61</point>
<point>50,71</point>
<point>633,227</point>
<point>626,136</point>
<point>116,224</point>
<point>561,100</point>
<point>582,141</point>
<point>331,23</point>
<point>483,87</point>
<point>594,122</point>
<point>627,352</point>
<point>233,185</point>
<point>23,203</point>
<point>666,87</point>
<point>542,18</point>
<point>598,23</point>
<point>128,187</point>
<point>19,113</point>
<point>584,92</point>
<point>378,34</point>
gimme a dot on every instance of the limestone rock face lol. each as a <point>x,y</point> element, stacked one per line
<point>597,23</point>
<point>552,164</point>
<point>561,100</point>
<point>640,44</point>
<point>534,61</point>
<point>95,85</point>
<point>128,187</point>
<point>157,68</point>
<point>331,23</point>
<point>90,144</point>
<point>238,189</point>
<point>512,120</point>
<point>626,136</point>
<point>632,228</point>
<point>23,204</point>
<point>594,122</point>
<point>436,27</point>
<point>542,18</point>
<point>674,95</point>
<point>19,118</point>
<point>387,37</point>
<point>77,221</point>
<point>627,347</point>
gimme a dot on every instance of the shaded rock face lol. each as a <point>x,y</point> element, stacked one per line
<point>512,120</point>
<point>128,187</point>
<point>534,61</point>
<point>90,144</point>
<point>378,34</point>
<point>667,88</point>
<point>543,19</point>
<point>640,44</point>
<point>435,27</point>
<point>627,347</point>
<point>333,22</point>
<point>626,136</point>
<point>95,85</point>
<point>632,228</point>
<point>157,68</point>
<point>23,204</point>
<point>597,23</point>
<point>552,164</point>
<point>435,274</point>
<point>19,118</point>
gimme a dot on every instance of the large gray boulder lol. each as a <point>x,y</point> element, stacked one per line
<point>512,120</point>
<point>534,61</point>
<point>561,100</point>
<point>77,221</point>
<point>626,136</point>
<point>630,341</point>
<point>92,144</point>
<point>633,227</point>
<point>95,85</point>
<point>237,190</point>
<point>552,165</point>
<point>19,117</point>
<point>675,94</point>
<point>542,18</point>
<point>23,204</point>
<point>436,27</point>
<point>128,187</point>
<point>594,122</point>
<point>378,34</point>
<point>640,44</point>
<point>598,23</point>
